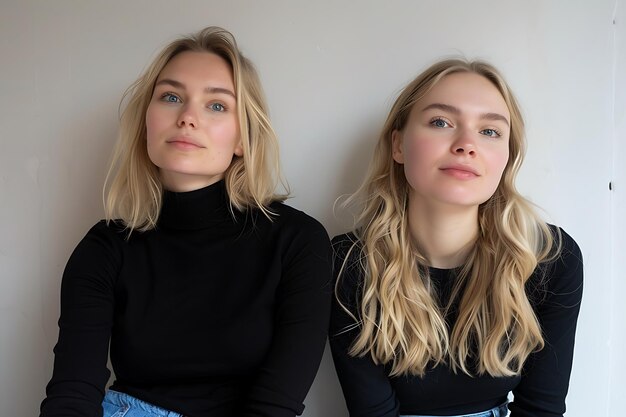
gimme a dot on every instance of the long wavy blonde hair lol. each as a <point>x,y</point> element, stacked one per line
<point>401,321</point>
<point>133,190</point>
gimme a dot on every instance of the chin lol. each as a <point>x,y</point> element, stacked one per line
<point>468,201</point>
<point>465,197</point>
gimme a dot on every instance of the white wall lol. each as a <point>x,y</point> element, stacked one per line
<point>617,337</point>
<point>331,70</point>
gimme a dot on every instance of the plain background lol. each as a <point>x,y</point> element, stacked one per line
<point>331,71</point>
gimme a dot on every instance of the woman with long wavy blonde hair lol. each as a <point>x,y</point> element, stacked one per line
<point>210,294</point>
<point>451,292</point>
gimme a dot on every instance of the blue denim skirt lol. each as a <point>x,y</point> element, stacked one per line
<point>117,404</point>
<point>499,411</point>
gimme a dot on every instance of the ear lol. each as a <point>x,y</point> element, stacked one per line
<point>238,151</point>
<point>396,146</point>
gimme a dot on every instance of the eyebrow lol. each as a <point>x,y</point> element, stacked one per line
<point>178,84</point>
<point>457,111</point>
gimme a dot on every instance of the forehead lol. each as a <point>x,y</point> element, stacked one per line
<point>467,91</point>
<point>198,65</point>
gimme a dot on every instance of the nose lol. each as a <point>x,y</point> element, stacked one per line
<point>187,118</point>
<point>464,144</point>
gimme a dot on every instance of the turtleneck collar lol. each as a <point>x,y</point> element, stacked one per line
<point>198,209</point>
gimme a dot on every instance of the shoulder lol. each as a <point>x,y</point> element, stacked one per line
<point>296,231</point>
<point>569,259</point>
<point>106,234</point>
<point>111,234</point>
<point>98,255</point>
<point>570,255</point>
<point>292,218</point>
<point>343,242</point>
<point>286,213</point>
<point>110,238</point>
<point>347,252</point>
<point>110,227</point>
<point>562,276</point>
<point>348,266</point>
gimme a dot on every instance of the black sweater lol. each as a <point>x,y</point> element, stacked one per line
<point>207,315</point>
<point>555,292</point>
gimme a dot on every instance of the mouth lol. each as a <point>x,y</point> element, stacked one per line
<point>184,143</point>
<point>460,171</point>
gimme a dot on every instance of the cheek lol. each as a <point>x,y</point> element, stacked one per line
<point>419,155</point>
<point>152,124</point>
<point>497,163</point>
<point>224,133</point>
<point>501,159</point>
<point>153,128</point>
<point>419,159</point>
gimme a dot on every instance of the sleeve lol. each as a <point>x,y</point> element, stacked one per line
<point>301,325</point>
<point>545,377</point>
<point>365,386</point>
<point>80,373</point>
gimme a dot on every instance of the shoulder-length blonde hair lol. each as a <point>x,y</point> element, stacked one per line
<point>135,191</point>
<point>402,323</point>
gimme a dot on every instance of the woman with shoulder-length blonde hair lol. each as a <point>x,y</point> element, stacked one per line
<point>451,292</point>
<point>212,294</point>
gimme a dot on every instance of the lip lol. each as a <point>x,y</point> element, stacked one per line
<point>460,171</point>
<point>184,142</point>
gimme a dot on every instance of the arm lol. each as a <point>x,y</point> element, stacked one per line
<point>545,377</point>
<point>365,385</point>
<point>80,372</point>
<point>301,326</point>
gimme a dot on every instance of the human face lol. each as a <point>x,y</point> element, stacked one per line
<point>455,144</point>
<point>191,121</point>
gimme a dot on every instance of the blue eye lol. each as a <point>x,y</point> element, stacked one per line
<point>218,107</point>
<point>170,98</point>
<point>492,133</point>
<point>439,123</point>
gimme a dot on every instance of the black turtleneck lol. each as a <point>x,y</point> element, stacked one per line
<point>210,314</point>
<point>554,291</point>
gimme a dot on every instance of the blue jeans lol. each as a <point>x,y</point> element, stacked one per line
<point>499,411</point>
<point>117,404</point>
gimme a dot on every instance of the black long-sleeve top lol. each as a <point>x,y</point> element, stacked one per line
<point>208,314</point>
<point>554,290</point>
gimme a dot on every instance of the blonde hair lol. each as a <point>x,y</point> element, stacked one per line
<point>401,320</point>
<point>135,191</point>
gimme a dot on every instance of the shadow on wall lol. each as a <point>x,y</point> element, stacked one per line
<point>71,189</point>
<point>352,173</point>
<point>325,397</point>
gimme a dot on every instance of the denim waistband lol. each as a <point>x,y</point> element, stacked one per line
<point>499,411</point>
<point>128,402</point>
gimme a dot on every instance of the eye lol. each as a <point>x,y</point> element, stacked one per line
<point>492,133</point>
<point>439,123</point>
<point>170,98</point>
<point>217,107</point>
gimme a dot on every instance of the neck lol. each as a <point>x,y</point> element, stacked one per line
<point>444,233</point>
<point>182,183</point>
<point>207,207</point>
